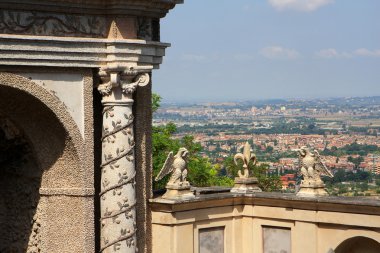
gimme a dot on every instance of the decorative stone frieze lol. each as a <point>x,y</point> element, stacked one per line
<point>148,29</point>
<point>52,24</point>
<point>118,194</point>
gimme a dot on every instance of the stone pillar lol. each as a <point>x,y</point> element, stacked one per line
<point>118,194</point>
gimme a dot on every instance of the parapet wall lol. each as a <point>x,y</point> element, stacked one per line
<point>264,222</point>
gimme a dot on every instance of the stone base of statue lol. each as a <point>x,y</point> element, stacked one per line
<point>178,192</point>
<point>312,189</point>
<point>246,185</point>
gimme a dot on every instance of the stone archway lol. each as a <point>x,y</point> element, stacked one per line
<point>20,179</point>
<point>358,244</point>
<point>46,201</point>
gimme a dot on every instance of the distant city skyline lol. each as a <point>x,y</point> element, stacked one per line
<point>247,50</point>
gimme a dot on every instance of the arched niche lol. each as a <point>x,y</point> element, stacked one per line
<point>32,192</point>
<point>52,133</point>
<point>20,180</point>
<point>358,244</point>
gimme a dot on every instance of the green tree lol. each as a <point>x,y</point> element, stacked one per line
<point>201,171</point>
<point>269,149</point>
<point>363,186</point>
<point>156,100</point>
<point>266,182</point>
<point>356,161</point>
<point>162,145</point>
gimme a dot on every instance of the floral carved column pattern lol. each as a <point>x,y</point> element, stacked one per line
<point>118,194</point>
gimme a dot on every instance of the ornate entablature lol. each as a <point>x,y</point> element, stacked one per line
<point>82,33</point>
<point>137,8</point>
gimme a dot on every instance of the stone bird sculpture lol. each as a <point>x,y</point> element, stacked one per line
<point>177,165</point>
<point>311,166</point>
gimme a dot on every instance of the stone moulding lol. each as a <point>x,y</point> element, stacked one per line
<point>79,52</point>
<point>79,192</point>
<point>150,8</point>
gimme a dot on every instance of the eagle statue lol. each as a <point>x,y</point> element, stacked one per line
<point>177,165</point>
<point>311,166</point>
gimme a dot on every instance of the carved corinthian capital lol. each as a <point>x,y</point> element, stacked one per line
<point>122,82</point>
<point>141,80</point>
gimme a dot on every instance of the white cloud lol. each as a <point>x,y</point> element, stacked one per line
<point>367,53</point>
<point>299,5</point>
<point>276,52</point>
<point>331,53</point>
<point>193,57</point>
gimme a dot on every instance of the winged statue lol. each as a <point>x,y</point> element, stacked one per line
<point>311,165</point>
<point>177,165</point>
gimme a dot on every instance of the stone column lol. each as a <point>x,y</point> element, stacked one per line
<point>118,194</point>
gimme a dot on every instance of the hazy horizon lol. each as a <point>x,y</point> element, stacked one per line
<point>200,101</point>
<point>267,49</point>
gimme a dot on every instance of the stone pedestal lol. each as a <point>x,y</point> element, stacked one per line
<point>246,185</point>
<point>312,189</point>
<point>178,192</point>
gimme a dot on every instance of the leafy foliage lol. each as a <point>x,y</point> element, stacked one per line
<point>201,171</point>
<point>350,176</point>
<point>352,149</point>
<point>156,99</point>
<point>266,182</point>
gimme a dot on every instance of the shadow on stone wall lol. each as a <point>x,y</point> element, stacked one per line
<point>97,107</point>
<point>32,140</point>
<point>20,180</point>
<point>359,244</point>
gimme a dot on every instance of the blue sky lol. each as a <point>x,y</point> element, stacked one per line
<point>229,50</point>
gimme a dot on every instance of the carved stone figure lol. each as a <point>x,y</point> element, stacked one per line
<point>246,157</point>
<point>178,186</point>
<point>312,168</point>
<point>177,166</point>
<point>244,183</point>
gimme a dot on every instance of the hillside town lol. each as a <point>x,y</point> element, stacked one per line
<point>345,132</point>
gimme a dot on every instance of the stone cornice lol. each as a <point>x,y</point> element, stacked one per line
<point>151,8</point>
<point>289,201</point>
<point>80,52</point>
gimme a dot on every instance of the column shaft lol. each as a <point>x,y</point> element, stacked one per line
<point>118,172</point>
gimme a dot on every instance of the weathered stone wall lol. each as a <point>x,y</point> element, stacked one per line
<point>64,157</point>
<point>295,224</point>
<point>143,137</point>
